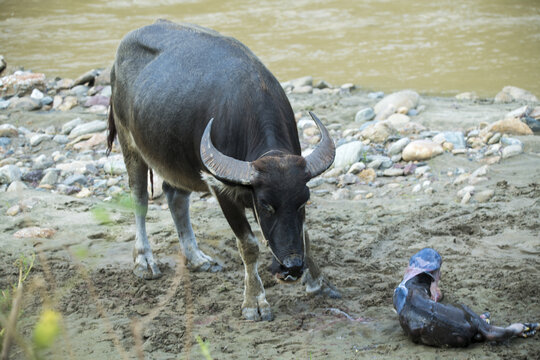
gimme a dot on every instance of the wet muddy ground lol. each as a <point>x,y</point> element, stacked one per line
<point>490,262</point>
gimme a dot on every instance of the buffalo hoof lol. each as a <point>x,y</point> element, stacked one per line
<point>258,314</point>
<point>147,272</point>
<point>199,261</point>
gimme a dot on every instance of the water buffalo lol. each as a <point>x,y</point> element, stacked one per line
<point>429,322</point>
<point>203,112</point>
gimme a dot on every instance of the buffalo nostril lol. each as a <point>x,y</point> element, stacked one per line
<point>294,267</point>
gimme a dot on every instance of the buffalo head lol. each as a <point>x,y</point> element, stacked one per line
<point>278,186</point>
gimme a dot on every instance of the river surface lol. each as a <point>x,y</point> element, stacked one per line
<point>434,47</point>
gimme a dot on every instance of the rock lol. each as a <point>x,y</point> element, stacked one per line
<point>57,101</point>
<point>68,103</point>
<point>315,182</point>
<point>461,179</point>
<point>14,210</point>
<point>4,141</point>
<point>535,113</point>
<point>349,154</point>
<point>8,130</point>
<point>64,84</point>
<point>341,194</point>
<point>9,173</point>
<point>505,140</point>
<point>466,190</point>
<point>303,81</point>
<point>84,193</point>
<point>87,78</point>
<point>393,172</point>
<point>4,104</point>
<point>24,104</point>
<point>97,100</point>
<point>484,196</point>
<point>347,179</point>
<point>37,139</point>
<point>495,138</point>
<point>16,186</point>
<point>512,93</point>
<point>467,96</point>
<point>378,132</point>
<point>77,166</point>
<point>511,150</point>
<point>37,95</point>
<point>398,121</point>
<point>79,91</point>
<point>481,171</point>
<point>511,126</point>
<point>96,139</point>
<point>70,125</point>
<point>61,139</point>
<point>533,124</point>
<point>417,188</point>
<point>364,115</point>
<point>47,100</point>
<point>356,168</point>
<point>50,178</point>
<point>421,150</point>
<point>367,175</point>
<point>21,83</point>
<point>519,113</point>
<point>104,78</point>
<point>42,162</point>
<point>375,164</point>
<point>75,179</point>
<point>466,197</point>
<point>88,128</point>
<point>456,138</point>
<point>302,89</point>
<point>398,146</point>
<point>115,167</point>
<point>389,105</point>
<point>323,85</point>
<point>35,232</point>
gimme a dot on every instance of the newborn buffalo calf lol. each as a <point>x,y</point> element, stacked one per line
<point>429,322</point>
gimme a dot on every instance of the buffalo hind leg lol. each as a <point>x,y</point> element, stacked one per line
<point>255,307</point>
<point>178,201</point>
<point>145,266</point>
<point>313,279</point>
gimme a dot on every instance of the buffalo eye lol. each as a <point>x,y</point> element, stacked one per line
<point>269,209</point>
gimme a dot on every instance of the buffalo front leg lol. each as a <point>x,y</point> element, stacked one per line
<point>313,278</point>
<point>178,201</point>
<point>255,307</point>
<point>145,266</point>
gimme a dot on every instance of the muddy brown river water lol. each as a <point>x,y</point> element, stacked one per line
<point>435,47</point>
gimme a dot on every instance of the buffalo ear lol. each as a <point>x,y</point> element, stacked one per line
<point>224,167</point>
<point>323,156</point>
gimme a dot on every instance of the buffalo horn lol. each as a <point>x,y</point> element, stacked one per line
<point>323,155</point>
<point>222,166</point>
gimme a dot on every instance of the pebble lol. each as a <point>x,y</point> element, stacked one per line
<point>35,232</point>
<point>75,179</point>
<point>9,173</point>
<point>42,162</point>
<point>349,154</point>
<point>456,138</point>
<point>37,139</point>
<point>16,186</point>
<point>8,130</point>
<point>367,175</point>
<point>505,140</point>
<point>313,183</point>
<point>495,138</point>
<point>14,210</point>
<point>88,128</point>
<point>512,126</point>
<point>484,196</point>
<point>391,103</point>
<point>341,194</point>
<point>510,151</point>
<point>84,193</point>
<point>393,172</point>
<point>378,132</point>
<point>68,103</point>
<point>369,195</point>
<point>115,167</point>
<point>398,146</point>
<point>512,93</point>
<point>50,178</point>
<point>357,168</point>
<point>347,179</point>
<point>61,139</point>
<point>421,150</point>
<point>466,190</point>
<point>37,95</point>
<point>417,188</point>
<point>24,104</point>
<point>70,125</point>
<point>364,115</point>
<point>466,198</point>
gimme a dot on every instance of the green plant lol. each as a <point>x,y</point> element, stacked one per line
<point>204,348</point>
